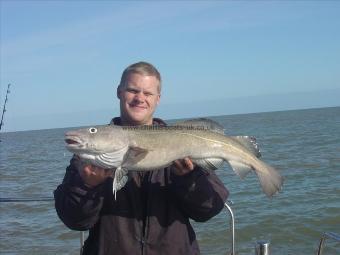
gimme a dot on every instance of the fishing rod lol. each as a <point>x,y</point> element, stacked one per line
<point>4,108</point>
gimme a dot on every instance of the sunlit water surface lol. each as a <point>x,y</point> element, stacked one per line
<point>304,145</point>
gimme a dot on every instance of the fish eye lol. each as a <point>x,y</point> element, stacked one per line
<point>93,130</point>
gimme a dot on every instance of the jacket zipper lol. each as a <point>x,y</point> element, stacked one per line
<point>142,244</point>
<point>145,228</point>
<point>145,223</point>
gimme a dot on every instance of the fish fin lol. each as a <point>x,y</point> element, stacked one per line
<point>270,179</point>
<point>250,143</point>
<point>119,180</point>
<point>109,160</point>
<point>202,123</point>
<point>133,156</point>
<point>239,168</point>
<point>209,163</point>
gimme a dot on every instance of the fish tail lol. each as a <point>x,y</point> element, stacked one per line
<point>270,179</point>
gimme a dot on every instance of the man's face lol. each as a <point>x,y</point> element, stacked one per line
<point>139,97</point>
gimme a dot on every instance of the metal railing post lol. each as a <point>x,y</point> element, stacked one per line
<point>232,225</point>
<point>325,235</point>
<point>82,240</point>
<point>262,248</point>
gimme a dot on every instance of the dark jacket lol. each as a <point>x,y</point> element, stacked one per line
<point>151,213</point>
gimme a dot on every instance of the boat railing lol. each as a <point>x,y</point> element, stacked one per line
<point>228,205</point>
<point>327,235</point>
<point>261,247</point>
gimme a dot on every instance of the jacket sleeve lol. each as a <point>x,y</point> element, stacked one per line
<point>77,205</point>
<point>200,193</point>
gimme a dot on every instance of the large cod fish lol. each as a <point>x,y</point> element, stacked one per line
<point>145,148</point>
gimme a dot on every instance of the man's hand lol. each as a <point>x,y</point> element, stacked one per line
<point>183,166</point>
<point>93,175</point>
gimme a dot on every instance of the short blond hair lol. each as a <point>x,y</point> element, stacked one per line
<point>142,68</point>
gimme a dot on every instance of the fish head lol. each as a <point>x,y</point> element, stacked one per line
<point>96,140</point>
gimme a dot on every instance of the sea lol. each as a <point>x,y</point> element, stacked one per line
<point>304,145</point>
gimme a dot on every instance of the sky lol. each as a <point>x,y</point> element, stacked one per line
<point>64,59</point>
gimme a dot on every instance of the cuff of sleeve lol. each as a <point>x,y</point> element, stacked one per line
<point>188,179</point>
<point>77,185</point>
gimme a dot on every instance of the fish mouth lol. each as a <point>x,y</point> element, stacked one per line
<point>72,141</point>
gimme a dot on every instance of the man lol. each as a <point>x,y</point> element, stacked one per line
<point>152,211</point>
